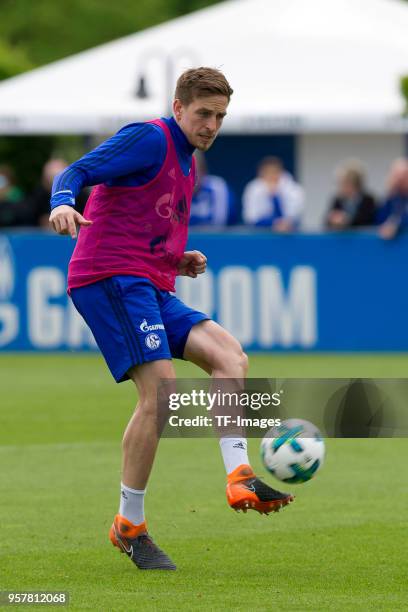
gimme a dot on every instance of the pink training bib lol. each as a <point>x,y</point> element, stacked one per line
<point>138,231</point>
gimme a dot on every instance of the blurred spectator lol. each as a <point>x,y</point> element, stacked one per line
<point>393,214</point>
<point>13,211</point>
<point>273,199</point>
<point>352,206</point>
<point>213,201</point>
<point>39,200</point>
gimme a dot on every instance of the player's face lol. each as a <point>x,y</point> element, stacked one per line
<point>201,119</point>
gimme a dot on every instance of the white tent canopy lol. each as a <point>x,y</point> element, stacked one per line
<point>295,65</point>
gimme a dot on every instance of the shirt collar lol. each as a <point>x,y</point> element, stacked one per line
<point>179,136</point>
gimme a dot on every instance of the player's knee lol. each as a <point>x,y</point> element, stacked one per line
<point>241,363</point>
<point>148,406</point>
<point>147,410</point>
<point>233,364</point>
<point>244,362</point>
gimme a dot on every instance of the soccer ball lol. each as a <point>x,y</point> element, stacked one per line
<point>293,452</point>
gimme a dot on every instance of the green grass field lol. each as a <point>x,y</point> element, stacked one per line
<point>341,546</point>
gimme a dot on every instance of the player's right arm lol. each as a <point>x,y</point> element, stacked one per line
<point>136,153</point>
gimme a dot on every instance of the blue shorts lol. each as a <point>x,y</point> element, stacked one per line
<point>134,322</point>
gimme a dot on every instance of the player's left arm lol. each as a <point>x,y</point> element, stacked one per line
<point>192,264</point>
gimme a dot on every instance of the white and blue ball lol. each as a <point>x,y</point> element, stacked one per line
<point>294,451</point>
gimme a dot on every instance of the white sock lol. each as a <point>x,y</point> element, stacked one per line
<point>234,452</point>
<point>132,504</point>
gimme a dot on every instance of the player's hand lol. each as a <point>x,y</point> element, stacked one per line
<point>192,263</point>
<point>65,219</point>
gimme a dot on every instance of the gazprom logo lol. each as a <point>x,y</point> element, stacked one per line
<point>34,310</point>
<point>145,327</point>
<point>9,315</point>
<point>258,306</point>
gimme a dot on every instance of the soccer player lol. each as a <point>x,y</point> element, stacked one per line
<point>121,278</point>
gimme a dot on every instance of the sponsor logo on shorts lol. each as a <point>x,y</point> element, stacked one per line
<point>145,327</point>
<point>152,341</point>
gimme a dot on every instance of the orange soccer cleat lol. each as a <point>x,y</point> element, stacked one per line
<point>247,492</point>
<point>138,545</point>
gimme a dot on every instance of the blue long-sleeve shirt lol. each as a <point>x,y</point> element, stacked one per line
<point>132,157</point>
